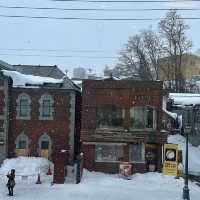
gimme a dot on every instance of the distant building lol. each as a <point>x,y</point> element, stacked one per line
<point>79,73</point>
<point>190,67</point>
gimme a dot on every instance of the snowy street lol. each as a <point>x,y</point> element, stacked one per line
<point>99,186</point>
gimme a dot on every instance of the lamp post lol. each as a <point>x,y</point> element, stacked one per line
<point>186,191</point>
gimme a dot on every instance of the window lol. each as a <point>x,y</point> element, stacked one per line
<point>21,145</point>
<point>108,153</point>
<point>110,116</point>
<point>142,117</point>
<point>136,153</point>
<point>23,106</point>
<point>46,107</point>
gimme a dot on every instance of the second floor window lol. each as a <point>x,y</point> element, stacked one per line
<point>46,107</point>
<point>23,106</point>
<point>142,117</point>
<point>110,116</point>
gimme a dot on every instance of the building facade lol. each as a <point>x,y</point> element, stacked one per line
<point>121,121</point>
<point>40,119</point>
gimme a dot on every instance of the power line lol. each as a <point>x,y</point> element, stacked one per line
<point>92,19</point>
<point>53,50</point>
<point>60,56</point>
<point>127,1</point>
<point>96,9</point>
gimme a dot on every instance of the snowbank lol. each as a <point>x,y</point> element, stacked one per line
<point>20,80</point>
<point>194,153</point>
<point>25,166</point>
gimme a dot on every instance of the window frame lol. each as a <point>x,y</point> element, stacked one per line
<point>154,120</point>
<point>112,113</point>
<point>43,98</point>
<point>142,152</point>
<point>116,145</point>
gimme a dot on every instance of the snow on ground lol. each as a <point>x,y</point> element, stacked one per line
<point>94,185</point>
<point>99,186</point>
<point>193,153</point>
<point>25,166</point>
<point>20,80</point>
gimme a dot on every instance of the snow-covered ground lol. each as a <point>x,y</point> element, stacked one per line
<point>193,153</point>
<point>98,186</point>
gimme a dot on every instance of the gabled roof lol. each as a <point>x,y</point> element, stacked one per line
<point>38,70</point>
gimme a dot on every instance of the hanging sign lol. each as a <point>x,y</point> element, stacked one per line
<point>170,159</point>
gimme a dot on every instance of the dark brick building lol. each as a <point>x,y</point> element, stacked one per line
<point>40,117</point>
<point>121,121</point>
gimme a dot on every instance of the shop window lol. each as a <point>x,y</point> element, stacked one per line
<point>108,153</point>
<point>136,153</point>
<point>23,107</point>
<point>46,107</point>
<point>110,116</point>
<point>142,117</point>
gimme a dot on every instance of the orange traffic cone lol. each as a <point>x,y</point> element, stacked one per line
<point>38,179</point>
<point>49,173</point>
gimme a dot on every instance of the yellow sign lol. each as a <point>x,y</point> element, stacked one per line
<point>170,159</point>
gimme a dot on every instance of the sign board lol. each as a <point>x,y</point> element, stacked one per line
<point>170,159</point>
<point>125,170</point>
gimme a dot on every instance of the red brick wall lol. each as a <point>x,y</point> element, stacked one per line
<point>57,129</point>
<point>112,167</point>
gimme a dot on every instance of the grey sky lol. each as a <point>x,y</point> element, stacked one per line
<point>82,42</point>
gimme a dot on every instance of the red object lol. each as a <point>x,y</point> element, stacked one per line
<point>49,173</point>
<point>38,180</point>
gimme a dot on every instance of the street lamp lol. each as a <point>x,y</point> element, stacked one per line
<point>188,123</point>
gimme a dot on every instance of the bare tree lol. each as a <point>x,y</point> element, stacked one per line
<point>173,32</point>
<point>140,57</point>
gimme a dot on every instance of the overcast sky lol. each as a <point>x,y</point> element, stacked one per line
<point>77,43</point>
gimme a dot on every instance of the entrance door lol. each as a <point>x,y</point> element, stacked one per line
<point>45,149</point>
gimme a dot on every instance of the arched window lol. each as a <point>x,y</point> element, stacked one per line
<point>45,146</point>
<point>46,107</point>
<point>21,143</point>
<point>23,106</point>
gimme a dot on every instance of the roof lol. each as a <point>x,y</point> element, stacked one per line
<point>4,65</point>
<point>30,81</point>
<point>39,70</point>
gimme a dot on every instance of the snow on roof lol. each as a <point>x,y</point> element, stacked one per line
<point>185,98</point>
<point>20,80</point>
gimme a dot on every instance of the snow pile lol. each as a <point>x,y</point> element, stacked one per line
<point>20,80</point>
<point>193,153</point>
<point>25,166</point>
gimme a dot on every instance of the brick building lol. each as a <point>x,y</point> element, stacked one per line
<point>40,117</point>
<point>121,121</point>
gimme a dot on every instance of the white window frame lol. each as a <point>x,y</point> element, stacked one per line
<point>46,97</point>
<point>23,96</point>
<point>143,154</point>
